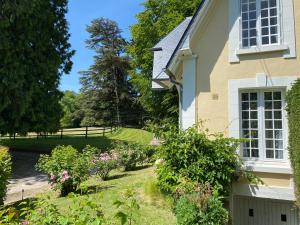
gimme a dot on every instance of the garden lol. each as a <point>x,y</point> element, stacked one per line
<point>185,180</point>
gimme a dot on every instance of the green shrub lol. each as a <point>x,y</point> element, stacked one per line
<point>66,167</point>
<point>293,109</point>
<point>200,205</point>
<point>5,171</point>
<point>200,157</point>
<point>130,155</point>
<point>84,210</point>
<point>187,212</point>
<point>103,164</point>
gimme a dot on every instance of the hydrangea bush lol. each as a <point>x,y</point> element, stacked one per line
<point>103,164</point>
<point>66,167</point>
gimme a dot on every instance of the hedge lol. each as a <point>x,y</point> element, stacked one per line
<point>5,170</point>
<point>293,109</point>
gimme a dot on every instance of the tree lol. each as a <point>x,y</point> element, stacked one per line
<point>158,19</point>
<point>71,104</point>
<point>105,85</point>
<point>34,53</point>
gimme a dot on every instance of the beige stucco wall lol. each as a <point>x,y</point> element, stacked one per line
<point>273,180</point>
<point>214,70</point>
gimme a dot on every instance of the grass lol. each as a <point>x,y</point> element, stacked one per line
<point>155,208</point>
<point>101,142</point>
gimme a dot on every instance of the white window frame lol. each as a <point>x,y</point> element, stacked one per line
<point>261,81</point>
<point>261,125</point>
<point>259,35</point>
<point>287,48</point>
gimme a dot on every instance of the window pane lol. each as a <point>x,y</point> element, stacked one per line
<point>278,134</point>
<point>274,125</point>
<point>249,19</point>
<point>269,22</point>
<point>249,123</point>
<point>270,154</point>
<point>245,96</point>
<point>279,154</point>
<point>278,115</point>
<point>268,115</point>
<point>253,115</point>
<point>269,133</point>
<point>268,96</point>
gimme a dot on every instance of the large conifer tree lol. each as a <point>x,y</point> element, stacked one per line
<point>34,53</point>
<point>108,94</point>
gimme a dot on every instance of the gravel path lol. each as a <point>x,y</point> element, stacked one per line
<point>25,181</point>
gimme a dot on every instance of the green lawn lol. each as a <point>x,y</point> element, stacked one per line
<point>155,208</point>
<point>46,145</point>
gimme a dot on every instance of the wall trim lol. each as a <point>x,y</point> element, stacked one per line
<point>277,193</point>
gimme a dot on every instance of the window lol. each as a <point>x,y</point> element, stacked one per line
<point>260,23</point>
<point>262,123</point>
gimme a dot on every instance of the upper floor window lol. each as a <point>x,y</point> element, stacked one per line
<point>259,23</point>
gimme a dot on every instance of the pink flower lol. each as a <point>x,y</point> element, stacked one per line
<point>65,176</point>
<point>25,222</point>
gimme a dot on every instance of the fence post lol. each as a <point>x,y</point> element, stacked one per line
<point>14,136</point>
<point>61,133</point>
<point>86,132</point>
<point>104,131</point>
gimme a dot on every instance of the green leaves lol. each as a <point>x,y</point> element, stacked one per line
<point>34,53</point>
<point>293,109</point>
<point>5,172</point>
<point>196,155</point>
<point>157,20</point>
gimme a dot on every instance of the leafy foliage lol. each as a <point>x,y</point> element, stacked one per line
<point>66,167</point>
<point>130,155</point>
<point>199,205</point>
<point>156,21</point>
<point>83,210</point>
<point>293,109</point>
<point>34,53</point>
<point>5,170</point>
<point>107,92</point>
<point>103,164</point>
<point>72,112</point>
<point>200,157</point>
<point>128,208</point>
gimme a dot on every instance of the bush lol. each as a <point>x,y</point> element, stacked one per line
<point>104,163</point>
<point>200,157</point>
<point>84,210</point>
<point>66,167</point>
<point>5,171</point>
<point>130,155</point>
<point>187,213</point>
<point>200,206</point>
<point>293,109</point>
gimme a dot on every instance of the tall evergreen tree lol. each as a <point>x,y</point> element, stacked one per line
<point>34,53</point>
<point>158,19</point>
<point>105,85</point>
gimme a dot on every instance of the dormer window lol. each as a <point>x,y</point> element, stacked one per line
<point>259,23</point>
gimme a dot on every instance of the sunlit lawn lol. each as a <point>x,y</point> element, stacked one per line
<point>156,209</point>
<point>79,142</point>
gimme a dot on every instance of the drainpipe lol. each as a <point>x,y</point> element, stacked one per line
<point>179,89</point>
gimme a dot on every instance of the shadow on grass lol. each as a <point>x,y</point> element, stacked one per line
<point>117,176</point>
<point>140,167</point>
<point>94,189</point>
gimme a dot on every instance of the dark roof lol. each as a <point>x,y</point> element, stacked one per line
<point>183,37</point>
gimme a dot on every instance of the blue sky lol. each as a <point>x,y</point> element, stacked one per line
<point>81,13</point>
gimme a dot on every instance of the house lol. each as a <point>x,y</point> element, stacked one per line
<point>232,63</point>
